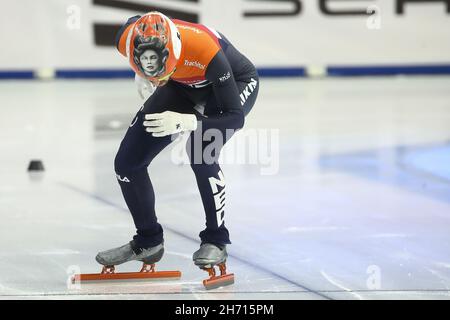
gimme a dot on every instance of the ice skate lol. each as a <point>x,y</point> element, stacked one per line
<point>207,258</point>
<point>129,252</point>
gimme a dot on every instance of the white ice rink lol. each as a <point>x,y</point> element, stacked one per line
<point>354,202</point>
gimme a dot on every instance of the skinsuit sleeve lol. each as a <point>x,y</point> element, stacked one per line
<point>219,72</point>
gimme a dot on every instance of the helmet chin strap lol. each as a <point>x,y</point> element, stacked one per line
<point>157,80</point>
<point>167,76</point>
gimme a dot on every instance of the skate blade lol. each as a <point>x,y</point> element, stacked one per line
<point>126,276</point>
<point>219,281</point>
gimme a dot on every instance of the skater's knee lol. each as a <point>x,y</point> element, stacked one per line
<point>124,164</point>
<point>119,163</point>
<point>191,151</point>
<point>202,153</point>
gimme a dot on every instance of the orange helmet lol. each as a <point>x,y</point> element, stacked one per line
<point>152,45</point>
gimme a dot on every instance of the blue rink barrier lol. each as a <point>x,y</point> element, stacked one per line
<point>283,72</point>
<point>343,71</point>
<point>17,74</point>
<point>94,74</point>
<point>278,72</point>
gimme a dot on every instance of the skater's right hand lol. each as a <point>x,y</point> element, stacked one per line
<point>145,88</point>
<point>169,122</point>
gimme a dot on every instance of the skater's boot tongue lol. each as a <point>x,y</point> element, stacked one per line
<point>137,250</point>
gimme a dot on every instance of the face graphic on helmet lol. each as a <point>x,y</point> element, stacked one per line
<point>149,61</point>
<point>150,55</point>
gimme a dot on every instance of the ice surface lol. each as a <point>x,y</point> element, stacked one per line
<point>351,205</point>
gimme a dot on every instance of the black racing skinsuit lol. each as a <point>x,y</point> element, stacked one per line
<point>227,99</point>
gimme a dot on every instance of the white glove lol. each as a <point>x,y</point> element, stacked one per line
<point>145,88</point>
<point>169,122</point>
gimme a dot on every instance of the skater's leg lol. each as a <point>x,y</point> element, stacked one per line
<point>137,150</point>
<point>210,178</point>
<point>211,184</point>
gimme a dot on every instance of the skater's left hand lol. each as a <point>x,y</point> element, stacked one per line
<point>169,122</point>
<point>145,88</point>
